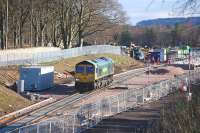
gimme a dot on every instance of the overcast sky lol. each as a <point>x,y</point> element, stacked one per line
<point>138,10</point>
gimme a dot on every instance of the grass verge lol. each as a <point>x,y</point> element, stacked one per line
<point>122,63</point>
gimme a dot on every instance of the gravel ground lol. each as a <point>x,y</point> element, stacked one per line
<point>154,76</point>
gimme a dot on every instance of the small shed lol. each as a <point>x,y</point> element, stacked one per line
<point>155,57</point>
<point>37,78</point>
<point>163,54</point>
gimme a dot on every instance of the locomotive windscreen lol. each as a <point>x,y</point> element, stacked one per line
<point>79,69</point>
<point>90,69</point>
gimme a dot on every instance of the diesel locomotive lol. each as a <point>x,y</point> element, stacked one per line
<point>94,74</point>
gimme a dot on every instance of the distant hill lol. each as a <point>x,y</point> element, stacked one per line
<point>169,21</point>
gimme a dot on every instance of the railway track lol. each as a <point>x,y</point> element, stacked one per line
<point>126,75</point>
<point>68,101</point>
<point>41,113</point>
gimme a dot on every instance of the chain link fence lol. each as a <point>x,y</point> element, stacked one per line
<point>89,115</point>
<point>23,57</point>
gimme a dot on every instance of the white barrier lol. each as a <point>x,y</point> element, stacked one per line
<point>35,57</point>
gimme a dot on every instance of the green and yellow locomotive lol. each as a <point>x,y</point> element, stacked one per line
<point>93,74</point>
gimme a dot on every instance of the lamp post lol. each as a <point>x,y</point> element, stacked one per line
<point>189,81</point>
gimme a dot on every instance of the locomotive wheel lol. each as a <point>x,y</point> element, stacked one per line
<point>97,85</point>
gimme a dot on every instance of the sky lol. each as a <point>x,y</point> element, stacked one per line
<point>138,10</point>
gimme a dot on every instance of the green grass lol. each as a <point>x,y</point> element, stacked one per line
<point>121,62</point>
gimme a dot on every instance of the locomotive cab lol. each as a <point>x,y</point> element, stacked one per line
<point>84,76</point>
<point>93,74</point>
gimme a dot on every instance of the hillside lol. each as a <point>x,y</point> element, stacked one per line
<point>8,75</point>
<point>169,21</point>
<point>122,63</point>
<point>11,101</point>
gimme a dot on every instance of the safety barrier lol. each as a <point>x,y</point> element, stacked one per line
<point>26,57</point>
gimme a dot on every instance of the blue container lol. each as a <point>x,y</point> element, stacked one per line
<point>159,54</point>
<point>37,78</point>
<point>154,56</point>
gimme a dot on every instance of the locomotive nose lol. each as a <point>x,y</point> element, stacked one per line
<point>85,77</point>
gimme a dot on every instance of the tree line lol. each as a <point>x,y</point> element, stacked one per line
<point>58,22</point>
<point>161,36</point>
<point>164,36</point>
<point>70,23</point>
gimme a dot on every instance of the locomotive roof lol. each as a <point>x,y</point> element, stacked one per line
<point>98,61</point>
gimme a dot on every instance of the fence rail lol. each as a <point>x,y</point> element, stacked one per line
<point>42,55</point>
<point>23,58</point>
<point>90,115</point>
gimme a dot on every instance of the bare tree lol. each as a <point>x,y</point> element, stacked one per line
<point>97,16</point>
<point>189,6</point>
<point>20,13</point>
<point>66,19</point>
<point>2,24</point>
<point>56,21</point>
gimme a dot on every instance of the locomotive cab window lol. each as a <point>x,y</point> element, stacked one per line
<point>90,69</point>
<point>79,69</point>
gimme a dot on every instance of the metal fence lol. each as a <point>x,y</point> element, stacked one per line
<point>35,56</point>
<point>90,115</point>
<point>194,59</point>
<point>7,58</point>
